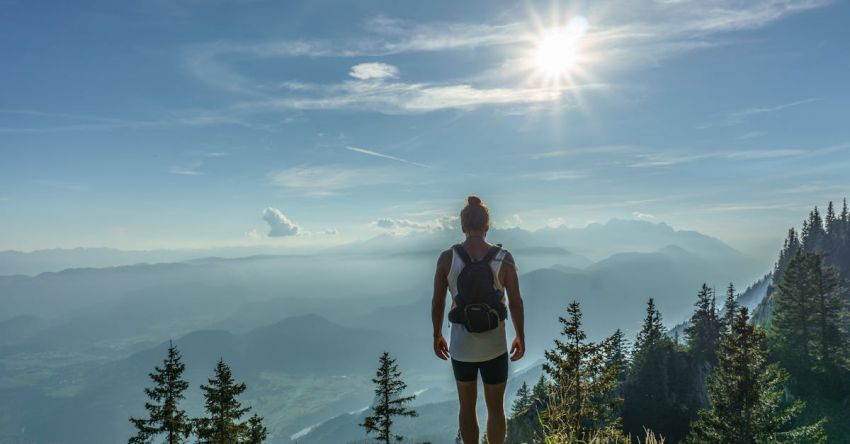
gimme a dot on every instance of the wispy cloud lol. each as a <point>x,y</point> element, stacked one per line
<point>327,180</point>
<point>581,151</point>
<point>648,160</point>
<point>384,156</point>
<point>740,116</point>
<point>555,176</point>
<point>751,206</point>
<point>192,169</point>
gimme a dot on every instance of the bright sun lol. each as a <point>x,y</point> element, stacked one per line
<point>558,49</point>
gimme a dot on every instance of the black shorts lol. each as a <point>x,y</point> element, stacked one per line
<point>494,371</point>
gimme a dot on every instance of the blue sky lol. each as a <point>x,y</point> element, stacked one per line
<point>198,123</point>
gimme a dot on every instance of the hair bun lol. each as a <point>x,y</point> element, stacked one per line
<point>473,201</point>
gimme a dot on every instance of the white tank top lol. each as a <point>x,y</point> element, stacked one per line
<point>476,347</point>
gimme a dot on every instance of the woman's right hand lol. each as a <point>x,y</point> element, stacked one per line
<point>441,348</point>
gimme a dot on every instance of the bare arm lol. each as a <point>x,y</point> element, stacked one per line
<point>438,303</point>
<point>510,280</point>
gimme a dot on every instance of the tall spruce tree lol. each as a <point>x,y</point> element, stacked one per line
<point>652,331</point>
<point>617,346</point>
<point>223,424</point>
<point>746,395</point>
<point>730,308</point>
<point>522,401</point>
<point>660,391</point>
<point>165,418</point>
<point>704,329</point>
<point>581,400</point>
<point>389,402</point>
<point>807,332</point>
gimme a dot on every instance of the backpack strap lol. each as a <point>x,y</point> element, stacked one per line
<point>494,250</point>
<point>461,252</point>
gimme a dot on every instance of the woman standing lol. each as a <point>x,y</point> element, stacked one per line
<point>477,274</point>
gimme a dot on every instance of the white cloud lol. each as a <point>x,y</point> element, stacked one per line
<point>642,216</point>
<point>279,224</point>
<point>253,234</point>
<point>368,71</point>
<point>324,180</point>
<point>331,232</point>
<point>514,222</point>
<point>407,226</point>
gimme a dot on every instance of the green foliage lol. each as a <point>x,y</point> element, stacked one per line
<point>581,397</point>
<point>807,334</point>
<point>660,392</point>
<point>747,396</point>
<point>703,331</point>
<point>730,308</point>
<point>523,400</point>
<point>388,401</point>
<point>223,424</point>
<point>164,415</point>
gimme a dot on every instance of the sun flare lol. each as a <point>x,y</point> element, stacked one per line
<point>557,50</point>
<point>556,53</point>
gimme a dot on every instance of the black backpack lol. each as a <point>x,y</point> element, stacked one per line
<point>478,304</point>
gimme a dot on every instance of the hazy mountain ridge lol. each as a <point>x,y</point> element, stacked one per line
<point>106,320</point>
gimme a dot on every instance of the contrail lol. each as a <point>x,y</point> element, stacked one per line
<point>385,156</point>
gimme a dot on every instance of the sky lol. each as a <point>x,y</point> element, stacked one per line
<point>204,123</point>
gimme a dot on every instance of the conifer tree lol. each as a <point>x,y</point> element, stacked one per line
<point>746,396</point>
<point>523,400</point>
<point>165,418</point>
<point>652,330</point>
<point>617,346</point>
<point>704,328</point>
<point>730,307</point>
<point>257,432</point>
<point>831,220</point>
<point>389,402</point>
<point>223,424</point>
<point>581,399</point>
<point>659,392</point>
<point>807,334</point>
<point>792,246</point>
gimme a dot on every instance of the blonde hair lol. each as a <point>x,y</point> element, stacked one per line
<point>475,216</point>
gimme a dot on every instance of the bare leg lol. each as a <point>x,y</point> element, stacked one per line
<point>467,393</point>
<point>494,395</point>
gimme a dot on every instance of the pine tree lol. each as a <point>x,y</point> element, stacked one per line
<point>660,391</point>
<point>389,402</point>
<point>540,392</point>
<point>224,425</point>
<point>704,328</point>
<point>747,394</point>
<point>164,415</point>
<point>730,307</point>
<point>652,330</point>
<point>806,331</point>
<point>792,246</point>
<point>523,400</point>
<point>257,432</point>
<point>617,356</point>
<point>581,400</point>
